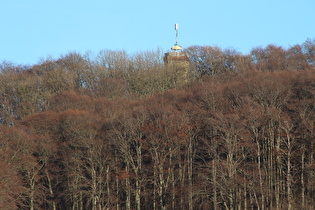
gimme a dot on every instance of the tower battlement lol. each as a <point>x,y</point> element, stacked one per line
<point>175,57</point>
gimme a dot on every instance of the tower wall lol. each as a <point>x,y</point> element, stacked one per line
<point>179,64</point>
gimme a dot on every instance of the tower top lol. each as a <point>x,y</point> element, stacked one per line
<point>176,47</point>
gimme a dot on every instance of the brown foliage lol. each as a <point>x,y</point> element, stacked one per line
<point>68,100</point>
<point>79,135</point>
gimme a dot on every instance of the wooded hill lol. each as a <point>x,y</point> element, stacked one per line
<point>121,132</point>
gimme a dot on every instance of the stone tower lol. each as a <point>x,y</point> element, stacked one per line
<point>177,62</point>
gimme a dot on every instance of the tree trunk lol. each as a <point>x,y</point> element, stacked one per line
<point>128,190</point>
<point>260,175</point>
<point>302,177</point>
<point>161,185</point>
<point>136,170</point>
<point>94,194</point>
<point>117,192</point>
<point>214,180</point>
<point>182,184</point>
<point>117,181</point>
<point>50,190</point>
<point>32,189</point>
<point>190,173</point>
<point>173,182</point>
<point>278,174</point>
<point>108,186</point>
<point>138,192</point>
<point>154,185</point>
<point>81,201</point>
<point>245,196</point>
<point>289,176</point>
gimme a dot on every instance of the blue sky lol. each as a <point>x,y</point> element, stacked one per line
<point>35,29</point>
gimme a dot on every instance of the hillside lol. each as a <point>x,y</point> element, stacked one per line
<point>121,132</point>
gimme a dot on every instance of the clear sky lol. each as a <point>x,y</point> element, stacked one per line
<point>35,29</point>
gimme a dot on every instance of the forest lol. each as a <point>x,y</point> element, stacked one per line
<point>121,131</point>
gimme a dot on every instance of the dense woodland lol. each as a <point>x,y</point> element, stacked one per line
<point>120,131</point>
